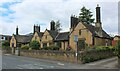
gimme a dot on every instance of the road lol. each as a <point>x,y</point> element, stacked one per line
<point>20,62</point>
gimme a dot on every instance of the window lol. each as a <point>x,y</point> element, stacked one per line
<point>12,44</point>
<point>59,44</point>
<point>44,45</point>
<point>50,44</point>
<point>81,44</point>
<point>79,32</point>
<point>46,37</point>
<point>12,40</point>
<point>35,37</point>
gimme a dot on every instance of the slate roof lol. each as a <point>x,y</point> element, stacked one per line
<point>40,34</point>
<point>117,36</point>
<point>53,33</point>
<point>30,34</point>
<point>94,31</point>
<point>23,38</point>
<point>62,36</point>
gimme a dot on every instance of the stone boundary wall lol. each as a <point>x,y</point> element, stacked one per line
<point>53,55</point>
<point>67,55</point>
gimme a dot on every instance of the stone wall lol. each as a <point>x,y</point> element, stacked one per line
<point>54,55</point>
<point>69,56</point>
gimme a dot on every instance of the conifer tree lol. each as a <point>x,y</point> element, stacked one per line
<point>86,16</point>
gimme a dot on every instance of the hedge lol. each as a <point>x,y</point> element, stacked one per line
<point>96,54</point>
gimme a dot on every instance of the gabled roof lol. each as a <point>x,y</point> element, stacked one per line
<point>62,36</point>
<point>40,34</point>
<point>23,38</point>
<point>94,31</point>
<point>53,33</point>
<point>117,36</point>
<point>30,34</point>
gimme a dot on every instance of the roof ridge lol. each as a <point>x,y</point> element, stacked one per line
<point>57,36</point>
<point>65,32</point>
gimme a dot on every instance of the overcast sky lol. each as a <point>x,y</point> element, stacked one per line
<point>26,13</point>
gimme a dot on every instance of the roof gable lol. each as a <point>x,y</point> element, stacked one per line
<point>52,33</point>
<point>94,30</point>
<point>13,37</point>
<point>40,34</point>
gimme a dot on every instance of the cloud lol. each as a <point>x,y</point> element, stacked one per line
<point>30,12</point>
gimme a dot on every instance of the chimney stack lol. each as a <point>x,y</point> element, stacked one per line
<point>17,30</point>
<point>36,28</point>
<point>52,25</point>
<point>98,17</point>
<point>74,21</point>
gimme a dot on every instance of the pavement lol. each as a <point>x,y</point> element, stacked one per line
<point>20,62</point>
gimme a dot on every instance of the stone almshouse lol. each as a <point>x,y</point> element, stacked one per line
<point>87,33</point>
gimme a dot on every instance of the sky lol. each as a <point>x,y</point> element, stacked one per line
<point>26,13</point>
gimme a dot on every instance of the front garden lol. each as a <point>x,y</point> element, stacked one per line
<point>34,45</point>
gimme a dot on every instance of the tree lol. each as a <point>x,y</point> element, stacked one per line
<point>58,26</point>
<point>34,45</point>
<point>86,16</point>
<point>117,51</point>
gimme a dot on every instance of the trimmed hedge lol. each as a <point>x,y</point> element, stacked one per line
<point>95,54</point>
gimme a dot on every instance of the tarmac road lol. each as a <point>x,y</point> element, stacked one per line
<point>20,62</point>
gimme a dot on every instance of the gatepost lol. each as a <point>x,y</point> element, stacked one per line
<point>13,50</point>
<point>17,51</point>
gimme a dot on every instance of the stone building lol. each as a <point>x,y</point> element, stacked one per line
<point>115,40</point>
<point>87,34</point>
<point>18,40</point>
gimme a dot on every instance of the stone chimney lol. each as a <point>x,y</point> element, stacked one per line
<point>73,22</point>
<point>17,30</point>
<point>98,17</point>
<point>98,23</point>
<point>52,25</point>
<point>36,28</point>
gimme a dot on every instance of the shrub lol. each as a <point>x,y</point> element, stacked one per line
<point>25,47</point>
<point>97,53</point>
<point>117,52</point>
<point>117,49</point>
<point>5,45</point>
<point>34,45</point>
<point>100,48</point>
